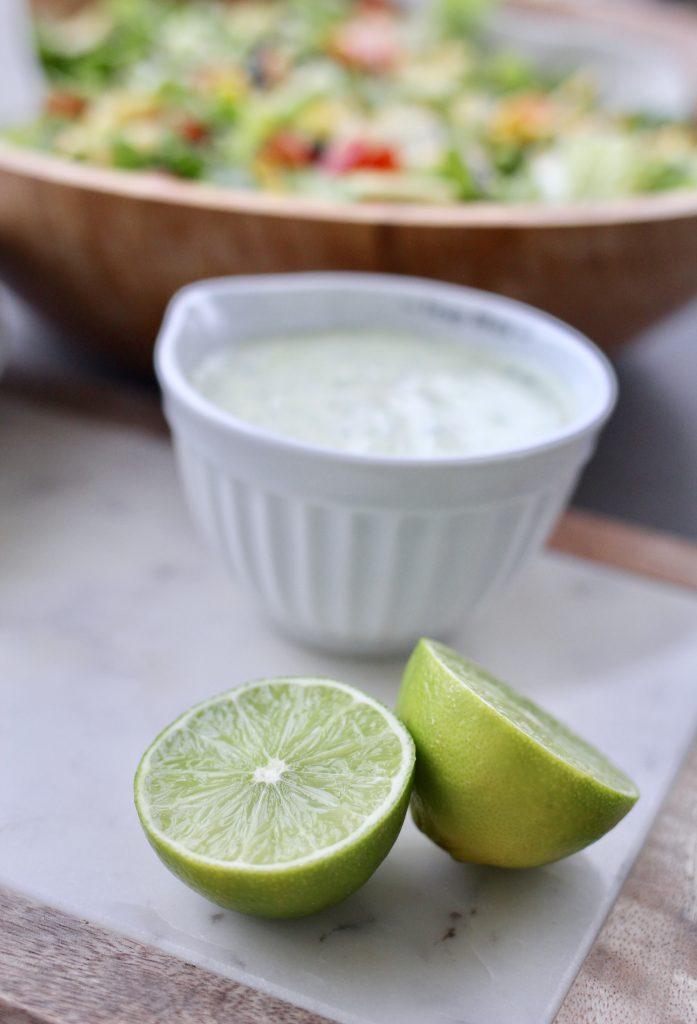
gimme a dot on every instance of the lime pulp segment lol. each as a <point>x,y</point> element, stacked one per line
<point>279,797</point>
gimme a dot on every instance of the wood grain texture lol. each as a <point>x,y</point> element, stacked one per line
<point>59,968</point>
<point>642,968</point>
<point>642,551</point>
<point>100,252</point>
<point>96,402</point>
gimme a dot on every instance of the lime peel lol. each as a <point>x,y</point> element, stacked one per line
<point>499,780</point>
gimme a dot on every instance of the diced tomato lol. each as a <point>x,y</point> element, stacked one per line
<point>62,103</point>
<point>289,149</point>
<point>193,130</point>
<point>368,43</point>
<point>355,155</point>
<point>371,6</point>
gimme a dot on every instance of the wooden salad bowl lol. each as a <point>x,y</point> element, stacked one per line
<point>100,252</point>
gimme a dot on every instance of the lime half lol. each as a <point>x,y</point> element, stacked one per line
<point>498,780</point>
<point>277,798</point>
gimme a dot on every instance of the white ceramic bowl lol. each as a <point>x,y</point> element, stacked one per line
<point>357,553</point>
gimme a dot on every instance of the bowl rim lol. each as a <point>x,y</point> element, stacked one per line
<point>162,189</point>
<point>175,384</point>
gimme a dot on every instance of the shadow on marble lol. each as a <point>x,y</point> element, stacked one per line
<point>468,925</point>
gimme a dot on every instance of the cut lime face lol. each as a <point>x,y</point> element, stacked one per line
<point>278,797</point>
<point>499,780</point>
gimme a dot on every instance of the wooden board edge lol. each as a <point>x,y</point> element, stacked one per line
<point>56,968</point>
<point>635,549</point>
<point>132,404</point>
<point>641,968</point>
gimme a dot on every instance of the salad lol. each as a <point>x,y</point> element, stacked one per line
<point>353,100</point>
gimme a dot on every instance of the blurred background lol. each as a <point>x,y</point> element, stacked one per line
<point>645,469</point>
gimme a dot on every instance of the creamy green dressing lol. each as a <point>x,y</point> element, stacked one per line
<point>379,393</point>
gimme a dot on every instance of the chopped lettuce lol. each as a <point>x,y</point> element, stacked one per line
<point>349,100</point>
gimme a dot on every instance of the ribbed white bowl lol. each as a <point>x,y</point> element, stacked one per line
<point>363,554</point>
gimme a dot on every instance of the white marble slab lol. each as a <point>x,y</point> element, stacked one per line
<point>113,619</point>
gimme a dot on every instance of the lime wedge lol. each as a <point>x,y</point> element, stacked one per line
<point>277,798</point>
<point>498,780</point>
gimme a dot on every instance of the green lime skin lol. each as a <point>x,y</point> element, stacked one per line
<point>293,892</point>
<point>498,780</point>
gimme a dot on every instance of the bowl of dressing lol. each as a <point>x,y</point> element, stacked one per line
<point>373,457</point>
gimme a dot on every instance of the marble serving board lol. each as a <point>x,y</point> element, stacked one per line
<point>113,619</point>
